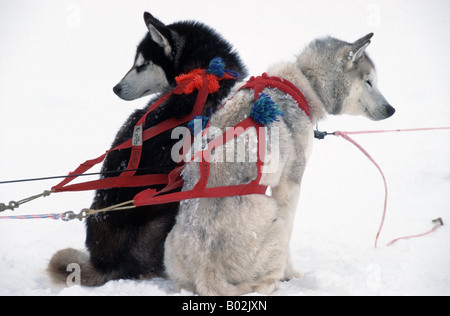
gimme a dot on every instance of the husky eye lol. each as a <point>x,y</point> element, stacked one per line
<point>369,82</point>
<point>142,67</point>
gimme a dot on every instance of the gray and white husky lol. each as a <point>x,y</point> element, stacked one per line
<point>240,244</point>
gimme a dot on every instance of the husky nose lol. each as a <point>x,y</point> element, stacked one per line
<point>389,110</point>
<point>117,89</point>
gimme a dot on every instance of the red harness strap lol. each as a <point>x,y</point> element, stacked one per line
<point>265,81</point>
<point>151,196</point>
<point>205,83</point>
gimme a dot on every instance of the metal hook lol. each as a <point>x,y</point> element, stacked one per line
<point>11,206</point>
<point>70,215</point>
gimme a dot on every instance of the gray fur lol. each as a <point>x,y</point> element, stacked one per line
<point>343,77</point>
<point>236,245</point>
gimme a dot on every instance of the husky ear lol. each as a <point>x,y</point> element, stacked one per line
<point>156,29</point>
<point>357,49</point>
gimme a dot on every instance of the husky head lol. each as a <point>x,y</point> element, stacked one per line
<point>170,50</point>
<point>344,77</point>
<point>153,64</point>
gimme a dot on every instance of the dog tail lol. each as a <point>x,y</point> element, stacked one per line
<point>73,267</point>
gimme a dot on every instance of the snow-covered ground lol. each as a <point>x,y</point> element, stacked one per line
<point>60,59</point>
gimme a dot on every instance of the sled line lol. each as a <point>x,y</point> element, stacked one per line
<point>321,135</point>
<point>70,215</point>
<point>348,138</point>
<point>70,176</point>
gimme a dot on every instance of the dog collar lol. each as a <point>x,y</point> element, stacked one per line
<point>258,84</point>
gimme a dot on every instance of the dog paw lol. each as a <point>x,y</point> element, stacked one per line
<point>291,273</point>
<point>267,288</point>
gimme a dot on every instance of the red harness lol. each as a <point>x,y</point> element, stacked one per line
<point>196,79</point>
<point>259,83</point>
<point>205,84</point>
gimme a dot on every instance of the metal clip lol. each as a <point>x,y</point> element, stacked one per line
<point>70,215</point>
<point>438,221</point>
<point>11,206</point>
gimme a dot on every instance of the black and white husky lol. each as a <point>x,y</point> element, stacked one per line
<point>130,244</point>
<point>240,244</point>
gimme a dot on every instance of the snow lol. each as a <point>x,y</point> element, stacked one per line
<point>60,59</point>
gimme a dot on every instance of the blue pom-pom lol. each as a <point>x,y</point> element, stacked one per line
<point>265,111</point>
<point>196,123</point>
<point>217,68</point>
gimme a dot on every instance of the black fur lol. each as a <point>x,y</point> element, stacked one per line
<point>130,244</point>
